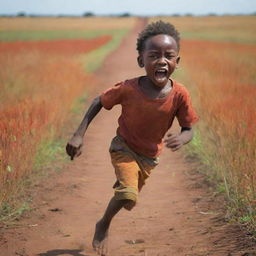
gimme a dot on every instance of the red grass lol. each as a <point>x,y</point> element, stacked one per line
<point>224,73</point>
<point>64,47</point>
<point>37,92</point>
<point>224,76</point>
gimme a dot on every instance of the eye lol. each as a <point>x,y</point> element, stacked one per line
<point>170,56</point>
<point>153,56</point>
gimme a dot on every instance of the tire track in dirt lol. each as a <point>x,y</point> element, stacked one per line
<point>176,214</point>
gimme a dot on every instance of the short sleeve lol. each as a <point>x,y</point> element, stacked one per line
<point>112,96</point>
<point>186,115</point>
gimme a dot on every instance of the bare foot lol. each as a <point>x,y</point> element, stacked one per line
<point>100,238</point>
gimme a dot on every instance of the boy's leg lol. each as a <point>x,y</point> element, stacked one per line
<point>130,181</point>
<point>102,226</point>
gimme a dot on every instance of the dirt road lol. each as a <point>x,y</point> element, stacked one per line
<point>176,213</point>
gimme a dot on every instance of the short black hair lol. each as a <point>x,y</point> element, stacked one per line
<point>157,28</point>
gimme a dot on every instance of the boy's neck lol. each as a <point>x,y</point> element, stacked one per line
<point>153,91</point>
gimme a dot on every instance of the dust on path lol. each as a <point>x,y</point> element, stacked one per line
<point>175,215</point>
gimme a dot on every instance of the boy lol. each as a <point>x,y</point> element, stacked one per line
<point>149,105</point>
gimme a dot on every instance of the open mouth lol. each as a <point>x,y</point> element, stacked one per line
<point>161,73</point>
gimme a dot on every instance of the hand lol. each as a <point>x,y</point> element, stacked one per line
<point>74,146</point>
<point>173,141</point>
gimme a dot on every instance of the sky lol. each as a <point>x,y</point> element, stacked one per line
<point>135,7</point>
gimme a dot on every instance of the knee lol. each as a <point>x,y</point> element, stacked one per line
<point>128,195</point>
<point>129,205</point>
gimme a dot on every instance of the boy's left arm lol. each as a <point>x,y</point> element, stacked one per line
<point>176,141</point>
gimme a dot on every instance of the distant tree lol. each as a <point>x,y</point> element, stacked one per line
<point>33,15</point>
<point>66,16</point>
<point>189,14</point>
<point>176,15</point>
<point>212,14</point>
<point>126,14</point>
<point>88,14</point>
<point>21,14</point>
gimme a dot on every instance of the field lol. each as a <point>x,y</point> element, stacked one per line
<point>218,63</point>
<point>45,69</point>
<point>48,68</point>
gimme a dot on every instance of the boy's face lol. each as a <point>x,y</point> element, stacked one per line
<point>159,58</point>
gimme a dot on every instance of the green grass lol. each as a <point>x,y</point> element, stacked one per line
<point>21,35</point>
<point>93,60</point>
<point>52,149</point>
<point>76,107</point>
<point>9,213</point>
<point>49,150</point>
<point>219,35</point>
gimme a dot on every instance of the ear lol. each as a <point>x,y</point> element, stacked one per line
<point>140,61</point>
<point>177,61</point>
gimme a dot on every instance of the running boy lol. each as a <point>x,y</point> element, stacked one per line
<point>149,105</point>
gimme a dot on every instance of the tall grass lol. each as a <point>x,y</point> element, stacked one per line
<point>65,24</point>
<point>223,75</point>
<point>240,29</point>
<point>41,82</point>
<point>218,62</point>
<point>37,89</point>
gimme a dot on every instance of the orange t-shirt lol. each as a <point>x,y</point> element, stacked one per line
<point>144,121</point>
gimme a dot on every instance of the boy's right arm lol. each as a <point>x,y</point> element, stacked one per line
<point>74,145</point>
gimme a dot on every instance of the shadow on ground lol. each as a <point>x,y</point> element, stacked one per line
<point>74,252</point>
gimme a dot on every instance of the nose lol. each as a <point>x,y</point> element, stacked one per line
<point>161,61</point>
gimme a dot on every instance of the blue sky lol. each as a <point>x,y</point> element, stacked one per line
<point>137,7</point>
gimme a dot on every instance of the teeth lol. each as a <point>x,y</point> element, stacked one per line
<point>161,71</point>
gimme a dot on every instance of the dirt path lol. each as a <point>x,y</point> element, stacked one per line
<point>175,215</point>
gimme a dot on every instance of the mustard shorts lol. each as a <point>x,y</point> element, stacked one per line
<point>131,170</point>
